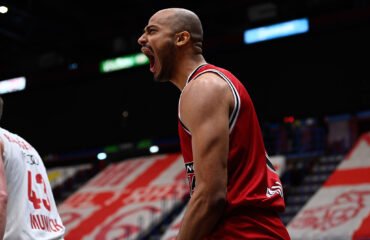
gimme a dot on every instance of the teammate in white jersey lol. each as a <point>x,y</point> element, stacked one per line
<point>27,207</point>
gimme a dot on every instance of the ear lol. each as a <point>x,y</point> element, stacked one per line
<point>182,38</point>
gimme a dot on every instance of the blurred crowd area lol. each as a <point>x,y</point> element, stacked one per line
<point>330,135</point>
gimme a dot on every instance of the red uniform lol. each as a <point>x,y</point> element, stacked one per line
<point>254,190</point>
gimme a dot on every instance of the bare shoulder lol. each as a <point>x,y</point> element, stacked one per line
<point>205,96</point>
<point>206,87</point>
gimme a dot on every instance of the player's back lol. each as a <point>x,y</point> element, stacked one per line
<point>31,209</point>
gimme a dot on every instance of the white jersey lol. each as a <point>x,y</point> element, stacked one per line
<point>31,210</point>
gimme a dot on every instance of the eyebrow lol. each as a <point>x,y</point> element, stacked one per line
<point>147,27</point>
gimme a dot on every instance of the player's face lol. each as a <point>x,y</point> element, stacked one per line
<point>157,43</point>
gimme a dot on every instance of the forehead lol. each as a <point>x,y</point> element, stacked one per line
<point>161,18</point>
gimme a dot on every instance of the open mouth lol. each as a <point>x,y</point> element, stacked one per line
<point>150,56</point>
<point>152,63</point>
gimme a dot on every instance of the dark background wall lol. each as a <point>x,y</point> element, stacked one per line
<point>321,73</point>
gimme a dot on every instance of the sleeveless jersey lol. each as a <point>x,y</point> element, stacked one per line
<point>31,209</point>
<point>254,190</point>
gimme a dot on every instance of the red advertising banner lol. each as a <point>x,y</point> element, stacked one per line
<point>341,208</point>
<point>125,199</point>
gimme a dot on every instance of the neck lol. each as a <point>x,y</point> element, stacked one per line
<point>184,69</point>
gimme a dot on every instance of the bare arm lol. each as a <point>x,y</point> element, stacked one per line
<point>204,110</point>
<point>3,193</point>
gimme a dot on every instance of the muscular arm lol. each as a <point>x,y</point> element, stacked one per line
<point>3,193</point>
<point>205,105</point>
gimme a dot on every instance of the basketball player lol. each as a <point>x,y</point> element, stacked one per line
<point>27,207</point>
<point>235,192</point>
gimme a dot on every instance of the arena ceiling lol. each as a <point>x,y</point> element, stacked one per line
<point>36,35</point>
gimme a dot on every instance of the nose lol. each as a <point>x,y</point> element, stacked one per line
<point>142,39</point>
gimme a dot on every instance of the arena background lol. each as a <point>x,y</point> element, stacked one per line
<point>70,111</point>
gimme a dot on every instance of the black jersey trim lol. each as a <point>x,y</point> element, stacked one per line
<point>194,71</point>
<point>236,109</point>
<point>269,164</point>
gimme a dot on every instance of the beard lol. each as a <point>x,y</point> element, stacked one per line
<point>166,64</point>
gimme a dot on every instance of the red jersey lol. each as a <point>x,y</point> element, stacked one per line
<point>254,190</point>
